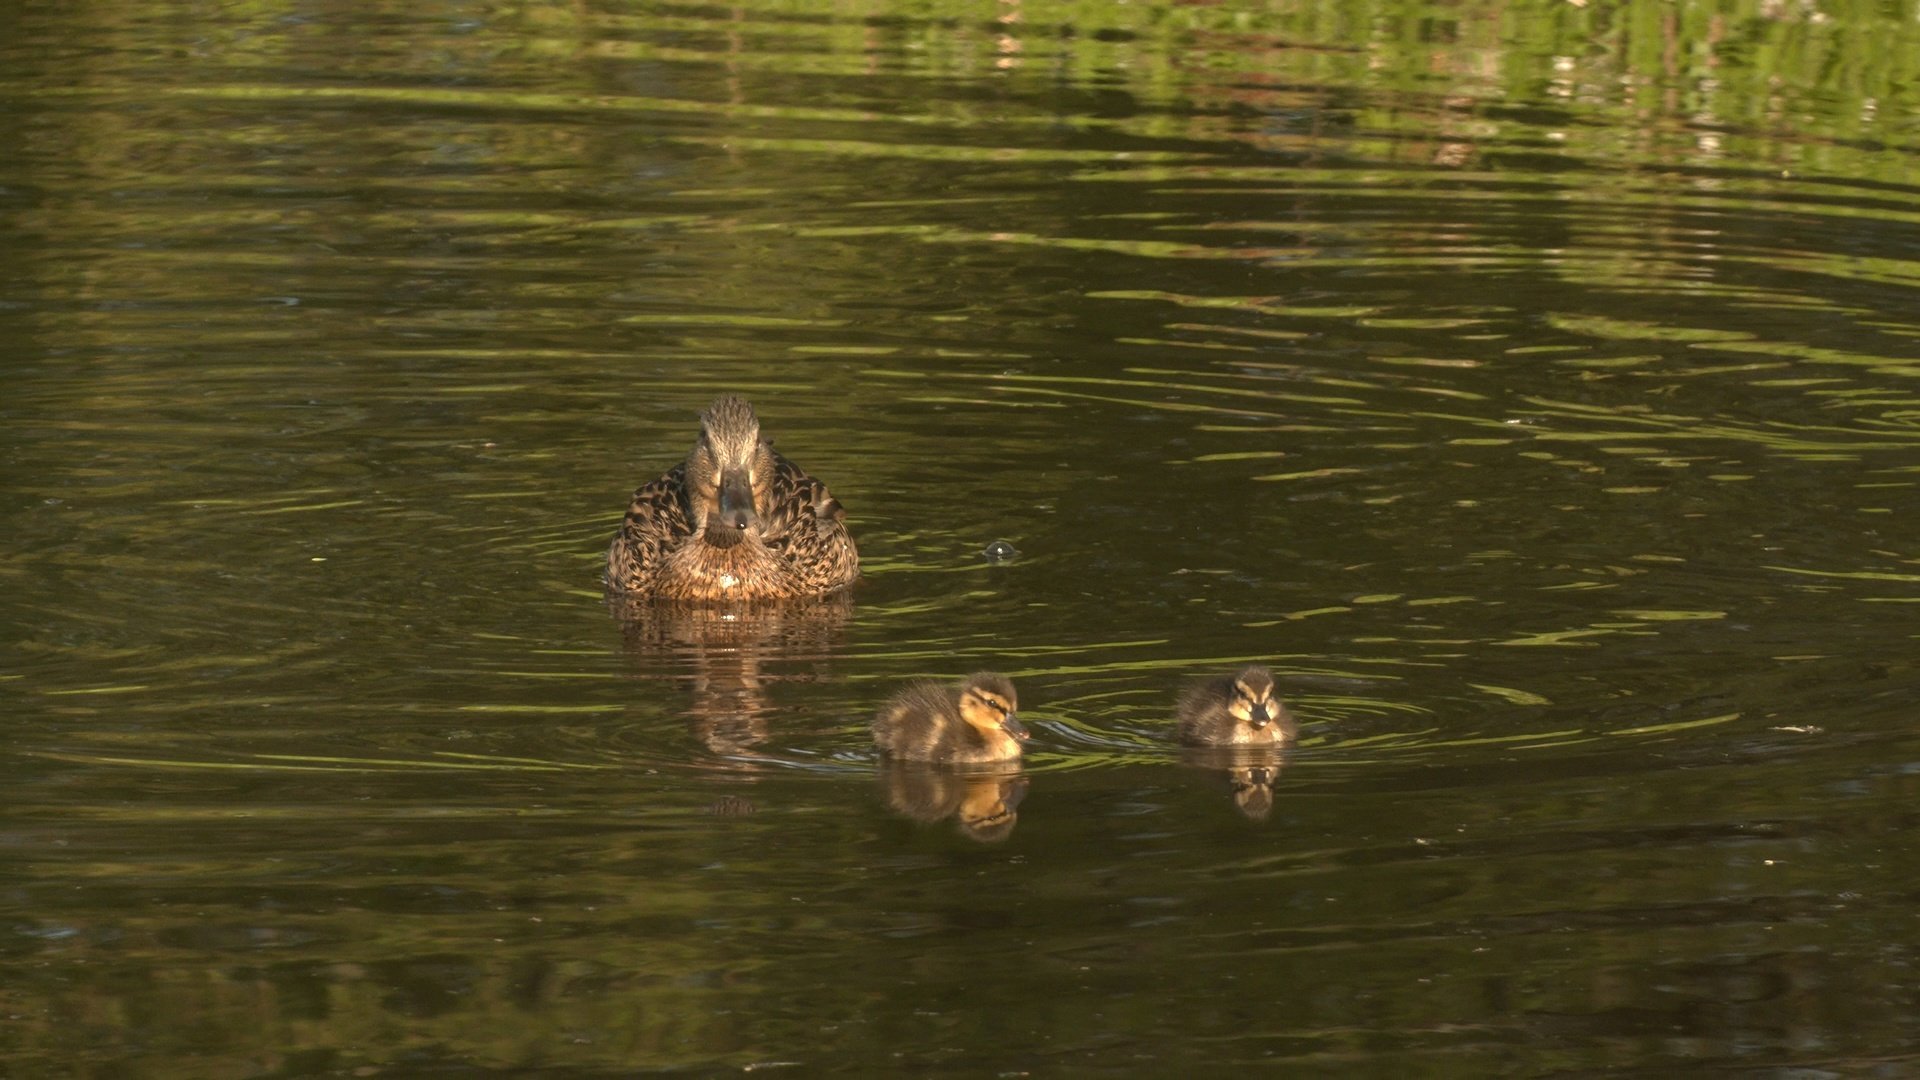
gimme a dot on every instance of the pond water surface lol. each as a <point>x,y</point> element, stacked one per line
<point>1532,385</point>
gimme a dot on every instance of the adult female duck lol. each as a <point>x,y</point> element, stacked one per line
<point>735,521</point>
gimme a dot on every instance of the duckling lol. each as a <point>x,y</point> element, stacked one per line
<point>1235,710</point>
<point>970,721</point>
<point>734,521</point>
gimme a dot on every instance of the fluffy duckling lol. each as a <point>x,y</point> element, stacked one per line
<point>734,521</point>
<point>1235,710</point>
<point>970,721</point>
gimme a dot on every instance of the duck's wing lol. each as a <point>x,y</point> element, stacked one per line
<point>655,524</point>
<point>795,499</point>
<point>808,524</point>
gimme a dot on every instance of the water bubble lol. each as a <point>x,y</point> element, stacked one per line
<point>1000,551</point>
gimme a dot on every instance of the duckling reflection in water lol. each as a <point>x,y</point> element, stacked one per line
<point>970,721</point>
<point>983,802</point>
<point>1250,770</point>
<point>734,521</point>
<point>1235,710</point>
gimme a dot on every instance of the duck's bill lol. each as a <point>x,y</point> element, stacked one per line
<point>1014,728</point>
<point>736,501</point>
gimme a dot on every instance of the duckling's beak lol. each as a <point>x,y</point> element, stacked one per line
<point>736,501</point>
<point>1013,727</point>
<point>1259,716</point>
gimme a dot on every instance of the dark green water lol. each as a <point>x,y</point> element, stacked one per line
<point>1534,386</point>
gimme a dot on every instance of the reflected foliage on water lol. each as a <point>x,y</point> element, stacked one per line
<point>1530,386</point>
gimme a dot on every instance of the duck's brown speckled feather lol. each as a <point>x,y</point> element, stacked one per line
<point>807,525</point>
<point>655,524</point>
<point>797,502</point>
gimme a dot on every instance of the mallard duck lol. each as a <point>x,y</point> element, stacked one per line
<point>734,521</point>
<point>970,721</point>
<point>1235,710</point>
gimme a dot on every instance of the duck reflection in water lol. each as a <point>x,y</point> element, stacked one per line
<point>1236,725</point>
<point>729,656</point>
<point>983,800</point>
<point>1251,770</point>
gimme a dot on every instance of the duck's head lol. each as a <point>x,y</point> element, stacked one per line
<point>1253,702</point>
<point>726,472</point>
<point>987,701</point>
